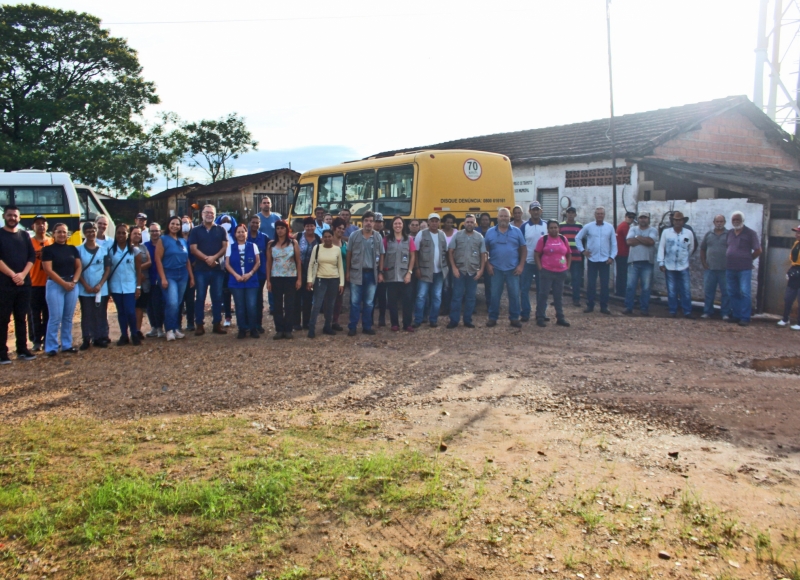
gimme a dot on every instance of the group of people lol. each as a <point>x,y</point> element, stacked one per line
<point>416,269</point>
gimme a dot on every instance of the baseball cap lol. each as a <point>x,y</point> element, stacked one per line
<point>535,205</point>
<point>797,229</point>
<point>39,217</point>
<point>630,214</point>
<point>644,214</point>
<point>378,216</point>
<point>434,215</point>
<point>571,209</point>
<point>141,216</point>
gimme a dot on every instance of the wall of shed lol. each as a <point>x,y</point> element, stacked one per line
<point>701,217</point>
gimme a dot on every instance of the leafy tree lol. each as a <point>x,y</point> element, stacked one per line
<point>212,144</point>
<point>70,95</point>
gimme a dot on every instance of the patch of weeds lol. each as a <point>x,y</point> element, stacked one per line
<point>591,519</point>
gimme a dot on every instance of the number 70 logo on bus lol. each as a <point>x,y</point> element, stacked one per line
<point>472,169</point>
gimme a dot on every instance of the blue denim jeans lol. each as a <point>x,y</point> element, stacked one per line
<point>246,303</point>
<point>205,280</point>
<point>678,283</point>
<point>739,290</point>
<point>435,290</point>
<point>172,297</point>
<point>362,301</point>
<point>505,278</point>
<point>61,305</point>
<point>155,306</point>
<point>639,272</point>
<point>712,279</point>
<point>126,312</point>
<point>528,274</point>
<point>464,288</point>
<point>594,269</point>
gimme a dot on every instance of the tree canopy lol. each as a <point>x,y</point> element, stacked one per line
<point>211,144</point>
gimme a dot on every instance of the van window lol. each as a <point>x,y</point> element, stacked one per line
<point>395,189</point>
<point>40,200</point>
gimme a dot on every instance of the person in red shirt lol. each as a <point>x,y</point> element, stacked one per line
<point>622,253</point>
<point>40,314</point>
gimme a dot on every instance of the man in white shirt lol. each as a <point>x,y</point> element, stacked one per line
<point>598,242</point>
<point>532,230</point>
<point>674,249</point>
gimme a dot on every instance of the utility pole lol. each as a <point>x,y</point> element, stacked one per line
<point>611,120</point>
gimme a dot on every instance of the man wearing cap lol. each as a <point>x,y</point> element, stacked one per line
<point>713,250</point>
<point>598,242</point>
<point>431,270</point>
<point>569,229</point>
<point>641,240</point>
<point>532,230</point>
<point>39,311</point>
<point>364,270</point>
<point>743,249</point>
<point>319,222</point>
<point>380,289</point>
<point>622,253</point>
<point>141,221</point>
<point>507,253</point>
<point>16,260</point>
<point>674,249</point>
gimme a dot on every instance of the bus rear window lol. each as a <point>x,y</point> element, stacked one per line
<point>40,200</point>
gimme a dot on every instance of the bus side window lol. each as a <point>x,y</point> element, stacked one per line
<point>360,186</point>
<point>396,182</point>
<point>305,194</point>
<point>330,191</point>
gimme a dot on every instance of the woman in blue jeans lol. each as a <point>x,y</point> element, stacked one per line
<point>242,261</point>
<point>62,263</point>
<point>125,284</point>
<point>175,272</point>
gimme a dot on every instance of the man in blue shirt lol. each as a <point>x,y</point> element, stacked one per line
<point>208,243</point>
<point>598,242</point>
<point>507,253</point>
<point>267,218</point>
<point>319,221</point>
<point>260,240</point>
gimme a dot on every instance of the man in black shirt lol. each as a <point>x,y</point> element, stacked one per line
<point>16,260</point>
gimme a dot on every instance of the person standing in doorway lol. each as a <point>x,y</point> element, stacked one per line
<point>17,257</point>
<point>208,244</point>
<point>532,230</point>
<point>39,311</point>
<point>597,241</point>
<point>569,229</point>
<point>713,256</point>
<point>744,248</point>
<point>622,254</point>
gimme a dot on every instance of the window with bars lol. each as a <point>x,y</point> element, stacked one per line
<point>595,177</point>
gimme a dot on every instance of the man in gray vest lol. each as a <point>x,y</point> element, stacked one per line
<point>431,271</point>
<point>467,255</point>
<point>364,266</point>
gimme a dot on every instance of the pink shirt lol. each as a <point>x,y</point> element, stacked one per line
<point>553,252</point>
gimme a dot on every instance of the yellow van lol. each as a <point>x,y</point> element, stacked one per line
<point>410,185</point>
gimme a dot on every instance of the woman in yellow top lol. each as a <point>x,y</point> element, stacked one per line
<point>326,279</point>
<point>792,283</point>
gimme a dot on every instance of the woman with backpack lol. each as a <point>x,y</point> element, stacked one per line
<point>553,257</point>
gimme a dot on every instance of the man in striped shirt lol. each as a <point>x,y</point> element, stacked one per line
<point>569,229</point>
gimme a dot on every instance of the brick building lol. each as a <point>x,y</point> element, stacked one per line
<point>241,196</point>
<point>702,159</point>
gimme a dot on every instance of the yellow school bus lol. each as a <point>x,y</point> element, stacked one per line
<point>410,185</point>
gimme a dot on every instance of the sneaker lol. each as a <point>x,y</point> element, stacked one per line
<point>783,323</point>
<point>562,322</point>
<point>395,329</point>
<point>4,360</point>
<point>369,331</point>
<point>795,327</point>
<point>227,322</point>
<point>153,333</point>
<point>170,336</point>
<point>490,323</point>
<point>161,333</point>
<point>70,350</point>
<point>351,332</point>
<point>453,325</point>
<point>178,334</point>
<point>705,316</point>
<point>541,322</point>
<point>51,353</point>
<point>605,311</point>
<point>26,355</point>
<point>410,329</point>
<point>337,327</point>
<point>516,324</point>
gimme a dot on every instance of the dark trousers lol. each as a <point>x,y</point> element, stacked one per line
<point>94,317</point>
<point>39,313</point>
<point>381,299</point>
<point>576,278</point>
<point>789,296</point>
<point>226,299</point>
<point>550,280</point>
<point>487,288</point>
<point>621,275</point>
<point>593,270</point>
<point>16,301</point>
<point>325,292</point>
<point>447,294</point>
<point>283,291</point>
<point>400,292</point>
<point>155,307</point>
<point>303,301</point>
<point>260,303</point>
<point>337,306</point>
<point>187,306</point>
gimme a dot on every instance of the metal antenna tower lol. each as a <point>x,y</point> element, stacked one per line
<point>782,101</point>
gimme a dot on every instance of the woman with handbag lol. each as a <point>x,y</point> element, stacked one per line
<point>792,284</point>
<point>92,290</point>
<point>124,283</point>
<point>62,263</point>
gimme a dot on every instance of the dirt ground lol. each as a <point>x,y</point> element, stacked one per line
<point>603,402</point>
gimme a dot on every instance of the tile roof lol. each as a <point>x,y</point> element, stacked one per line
<point>635,134</point>
<point>176,190</point>
<point>237,183</point>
